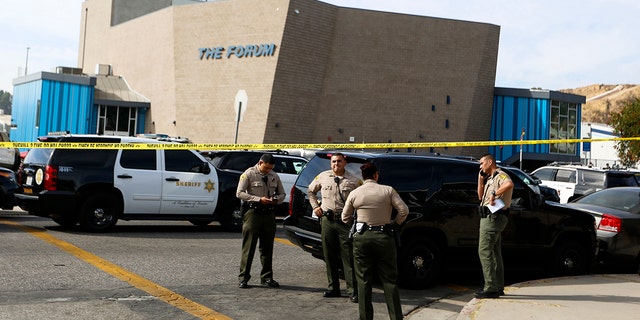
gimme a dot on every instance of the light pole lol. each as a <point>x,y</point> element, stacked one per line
<point>26,64</point>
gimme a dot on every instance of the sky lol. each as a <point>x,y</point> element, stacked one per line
<point>551,44</point>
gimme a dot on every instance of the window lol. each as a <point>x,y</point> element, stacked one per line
<point>182,161</point>
<point>138,159</point>
<point>566,176</point>
<point>115,120</point>
<point>545,174</point>
<point>563,125</point>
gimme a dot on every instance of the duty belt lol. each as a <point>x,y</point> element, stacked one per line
<point>333,215</point>
<point>382,228</point>
<point>260,208</point>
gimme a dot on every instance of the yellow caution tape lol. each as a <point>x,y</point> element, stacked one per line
<point>219,146</point>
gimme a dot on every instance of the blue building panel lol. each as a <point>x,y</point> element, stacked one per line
<point>48,102</point>
<point>68,107</point>
<point>515,110</point>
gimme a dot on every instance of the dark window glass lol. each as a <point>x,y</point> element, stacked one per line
<point>240,161</point>
<point>459,183</point>
<point>288,165</point>
<point>405,174</point>
<point>138,159</point>
<point>84,158</point>
<point>182,161</point>
<point>545,174</point>
<point>38,155</point>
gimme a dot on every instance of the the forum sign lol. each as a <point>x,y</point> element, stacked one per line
<point>247,51</point>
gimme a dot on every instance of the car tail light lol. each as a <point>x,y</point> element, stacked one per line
<point>610,223</point>
<point>20,174</point>
<point>291,193</point>
<point>51,178</point>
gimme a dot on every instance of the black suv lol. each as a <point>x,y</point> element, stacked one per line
<point>96,187</point>
<point>442,226</point>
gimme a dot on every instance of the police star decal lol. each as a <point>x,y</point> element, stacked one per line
<point>209,186</point>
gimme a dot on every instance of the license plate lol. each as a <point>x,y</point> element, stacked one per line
<point>29,180</point>
<point>28,190</point>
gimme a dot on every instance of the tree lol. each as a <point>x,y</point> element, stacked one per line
<point>626,124</point>
<point>5,101</point>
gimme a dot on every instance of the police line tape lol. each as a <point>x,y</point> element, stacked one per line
<point>278,146</point>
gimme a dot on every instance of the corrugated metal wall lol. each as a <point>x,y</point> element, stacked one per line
<point>44,106</point>
<point>511,115</point>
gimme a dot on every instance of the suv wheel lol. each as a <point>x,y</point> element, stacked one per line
<point>419,263</point>
<point>99,213</point>
<point>570,259</point>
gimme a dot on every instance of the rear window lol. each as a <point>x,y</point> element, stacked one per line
<point>593,178</point>
<point>621,180</point>
<point>39,156</point>
<point>84,157</point>
<point>620,199</point>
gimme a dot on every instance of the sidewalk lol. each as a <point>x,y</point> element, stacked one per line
<point>610,296</point>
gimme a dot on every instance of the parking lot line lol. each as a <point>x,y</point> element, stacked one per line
<point>133,279</point>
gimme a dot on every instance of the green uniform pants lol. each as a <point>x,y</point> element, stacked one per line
<point>375,252</point>
<point>338,252</point>
<point>490,251</point>
<point>257,226</point>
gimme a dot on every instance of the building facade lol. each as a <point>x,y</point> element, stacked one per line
<point>536,114</point>
<point>69,101</point>
<point>296,71</point>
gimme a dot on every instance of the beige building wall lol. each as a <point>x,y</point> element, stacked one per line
<point>337,73</point>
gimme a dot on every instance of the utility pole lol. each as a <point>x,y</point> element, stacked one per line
<point>26,65</point>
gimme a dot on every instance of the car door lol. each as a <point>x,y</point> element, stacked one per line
<point>137,176</point>
<point>189,184</point>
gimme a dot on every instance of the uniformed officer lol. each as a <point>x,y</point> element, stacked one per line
<point>493,184</point>
<point>374,246</point>
<point>335,186</point>
<point>261,191</point>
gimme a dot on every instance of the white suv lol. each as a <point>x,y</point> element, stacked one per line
<point>9,157</point>
<point>573,181</point>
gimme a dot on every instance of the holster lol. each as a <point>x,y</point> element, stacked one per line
<point>483,211</point>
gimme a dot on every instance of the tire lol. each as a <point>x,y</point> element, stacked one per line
<point>66,222</point>
<point>419,263</point>
<point>99,213</point>
<point>570,259</point>
<point>201,222</point>
<point>232,217</point>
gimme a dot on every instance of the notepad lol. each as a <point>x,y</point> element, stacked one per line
<point>497,205</point>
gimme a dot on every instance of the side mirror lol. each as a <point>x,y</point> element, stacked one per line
<point>205,168</point>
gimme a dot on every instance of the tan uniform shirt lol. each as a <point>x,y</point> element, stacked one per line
<point>326,184</point>
<point>492,184</point>
<point>374,203</point>
<point>252,187</point>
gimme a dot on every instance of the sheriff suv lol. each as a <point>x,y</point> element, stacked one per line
<point>573,181</point>
<point>96,187</point>
<point>442,226</point>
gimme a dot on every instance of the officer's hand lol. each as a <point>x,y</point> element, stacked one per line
<point>265,200</point>
<point>318,212</point>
